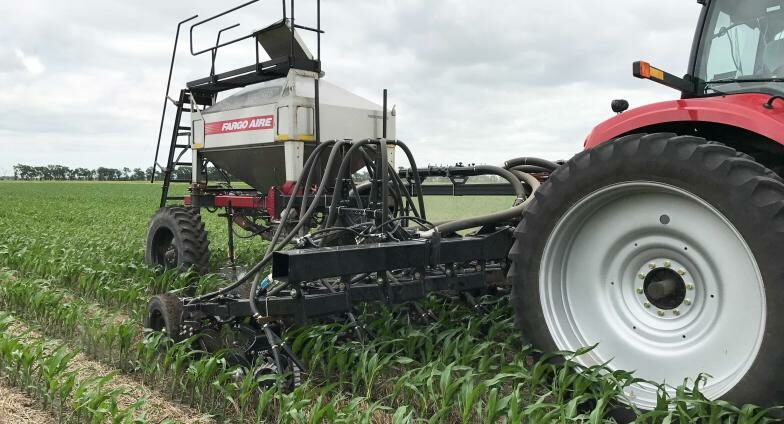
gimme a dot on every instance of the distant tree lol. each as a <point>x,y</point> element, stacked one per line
<point>138,174</point>
<point>149,171</point>
<point>216,176</point>
<point>42,173</point>
<point>24,172</point>
<point>102,173</point>
<point>108,174</point>
<point>182,172</point>
<point>58,172</point>
<point>61,172</point>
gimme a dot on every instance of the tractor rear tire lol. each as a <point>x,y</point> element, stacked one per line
<point>665,251</point>
<point>176,239</point>
<point>164,314</point>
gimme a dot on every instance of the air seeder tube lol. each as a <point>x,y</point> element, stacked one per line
<point>513,174</point>
<point>285,214</point>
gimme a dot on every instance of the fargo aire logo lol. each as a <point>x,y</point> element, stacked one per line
<point>265,122</point>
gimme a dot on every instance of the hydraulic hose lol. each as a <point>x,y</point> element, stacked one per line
<point>286,215</point>
<point>344,164</point>
<point>531,169</point>
<point>517,186</point>
<point>401,187</point>
<point>316,153</point>
<point>417,179</point>
<point>511,163</point>
<point>306,217</point>
<point>511,213</point>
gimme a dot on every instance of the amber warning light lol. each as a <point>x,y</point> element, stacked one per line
<point>644,70</point>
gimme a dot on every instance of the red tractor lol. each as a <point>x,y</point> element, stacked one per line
<point>661,241</point>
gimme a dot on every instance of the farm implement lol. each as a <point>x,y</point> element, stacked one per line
<point>658,243</point>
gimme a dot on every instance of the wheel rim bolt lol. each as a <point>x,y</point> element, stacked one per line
<point>676,312</point>
<point>667,264</point>
<point>687,302</point>
<point>681,272</point>
<point>651,265</point>
<point>690,286</point>
<point>639,290</point>
<point>641,276</point>
<point>646,304</point>
<point>660,313</point>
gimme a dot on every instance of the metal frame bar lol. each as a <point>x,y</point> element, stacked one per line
<point>326,303</point>
<point>212,18</point>
<point>460,264</point>
<point>253,74</point>
<point>166,95</point>
<point>302,265</point>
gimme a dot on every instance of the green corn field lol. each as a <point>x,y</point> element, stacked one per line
<point>74,290</point>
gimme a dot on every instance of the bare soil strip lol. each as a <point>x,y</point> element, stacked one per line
<point>156,406</point>
<point>17,408</point>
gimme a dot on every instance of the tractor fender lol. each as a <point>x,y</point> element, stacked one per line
<point>739,110</point>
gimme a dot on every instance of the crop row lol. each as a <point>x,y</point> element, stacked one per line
<point>80,244</point>
<point>186,375</point>
<point>437,371</point>
<point>44,372</point>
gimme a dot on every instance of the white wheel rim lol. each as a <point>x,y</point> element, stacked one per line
<point>590,288</point>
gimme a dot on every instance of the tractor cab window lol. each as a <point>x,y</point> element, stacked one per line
<point>742,48</point>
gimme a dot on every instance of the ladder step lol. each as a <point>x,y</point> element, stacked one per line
<point>182,146</point>
<point>182,164</point>
<point>183,134</point>
<point>182,128</point>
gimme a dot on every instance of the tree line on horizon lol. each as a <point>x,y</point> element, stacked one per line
<point>64,173</point>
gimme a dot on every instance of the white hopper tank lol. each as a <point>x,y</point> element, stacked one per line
<point>262,134</point>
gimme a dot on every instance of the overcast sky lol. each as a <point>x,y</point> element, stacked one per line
<point>81,82</point>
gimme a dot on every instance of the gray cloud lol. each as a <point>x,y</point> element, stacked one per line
<point>474,81</point>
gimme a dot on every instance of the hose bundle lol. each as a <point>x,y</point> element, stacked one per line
<point>515,172</point>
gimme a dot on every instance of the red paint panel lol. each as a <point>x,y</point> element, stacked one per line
<point>254,123</point>
<point>240,202</point>
<point>738,110</point>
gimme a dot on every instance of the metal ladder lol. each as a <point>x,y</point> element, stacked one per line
<point>175,158</point>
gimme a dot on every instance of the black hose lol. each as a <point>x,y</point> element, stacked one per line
<point>285,215</point>
<point>511,213</point>
<point>399,186</point>
<point>316,152</point>
<point>469,171</point>
<point>417,179</point>
<point>511,163</point>
<point>337,195</point>
<point>316,198</point>
<point>531,169</point>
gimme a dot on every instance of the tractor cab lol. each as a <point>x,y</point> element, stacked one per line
<point>731,90</point>
<point>741,48</point>
<point>738,48</point>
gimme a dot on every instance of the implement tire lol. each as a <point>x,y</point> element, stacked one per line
<point>176,238</point>
<point>164,314</point>
<point>665,251</point>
